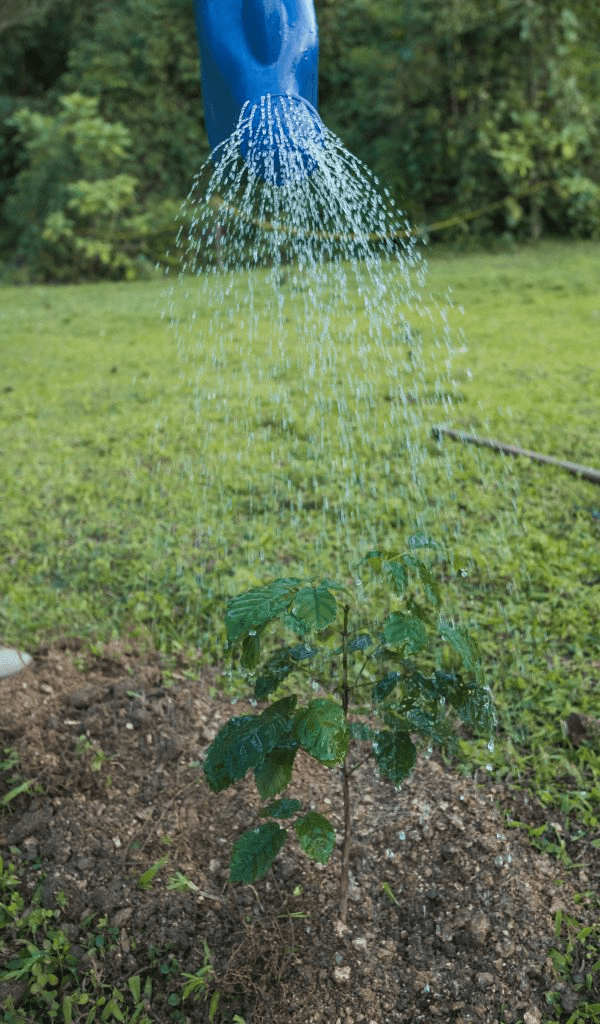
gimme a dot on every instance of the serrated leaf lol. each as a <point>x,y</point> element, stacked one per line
<point>396,755</point>
<point>253,609</point>
<point>465,646</point>
<point>406,630</point>
<point>384,687</point>
<point>244,743</point>
<point>283,808</point>
<point>254,852</point>
<point>314,608</point>
<point>321,731</point>
<point>275,773</point>
<point>316,836</point>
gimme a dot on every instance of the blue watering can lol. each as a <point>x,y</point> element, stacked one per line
<point>260,76</point>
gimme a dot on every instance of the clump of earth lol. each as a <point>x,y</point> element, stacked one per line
<point>452,910</point>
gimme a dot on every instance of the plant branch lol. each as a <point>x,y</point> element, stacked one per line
<point>345,873</point>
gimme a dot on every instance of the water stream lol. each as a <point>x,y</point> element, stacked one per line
<point>317,361</point>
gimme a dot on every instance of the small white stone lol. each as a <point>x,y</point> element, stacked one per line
<point>342,975</point>
<point>12,661</point>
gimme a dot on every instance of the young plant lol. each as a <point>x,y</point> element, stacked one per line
<point>376,694</point>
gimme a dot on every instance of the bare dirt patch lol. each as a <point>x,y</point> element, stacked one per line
<point>451,911</point>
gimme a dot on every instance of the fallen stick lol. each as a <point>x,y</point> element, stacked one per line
<point>512,449</point>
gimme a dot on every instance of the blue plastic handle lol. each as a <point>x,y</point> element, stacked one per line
<point>252,49</point>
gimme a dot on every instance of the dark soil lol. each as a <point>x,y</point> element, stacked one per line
<point>451,910</point>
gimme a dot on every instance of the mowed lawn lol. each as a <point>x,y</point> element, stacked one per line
<point>144,479</point>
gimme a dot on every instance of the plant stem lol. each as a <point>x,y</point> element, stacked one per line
<point>346,772</point>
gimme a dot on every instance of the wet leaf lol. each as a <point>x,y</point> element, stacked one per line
<point>314,608</point>
<point>427,580</point>
<point>244,743</point>
<point>283,808</point>
<point>384,687</point>
<point>279,666</point>
<point>275,773</point>
<point>406,630</point>
<point>316,836</point>
<point>398,575</point>
<point>251,651</point>
<point>322,732</point>
<point>465,646</point>
<point>253,609</point>
<point>254,852</point>
<point>396,755</point>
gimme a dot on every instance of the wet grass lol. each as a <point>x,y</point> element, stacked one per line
<point>139,491</point>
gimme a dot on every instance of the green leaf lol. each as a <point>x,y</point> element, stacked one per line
<point>428,582</point>
<point>283,808</point>
<point>396,755</point>
<point>375,559</point>
<point>321,731</point>
<point>398,574</point>
<point>254,852</point>
<point>384,687</point>
<point>316,836</point>
<point>474,706</point>
<point>465,646</point>
<point>360,731</point>
<point>406,630</point>
<point>275,773</point>
<point>279,666</point>
<point>145,880</point>
<point>251,650</point>
<point>430,585</point>
<point>253,609</point>
<point>314,608</point>
<point>244,743</point>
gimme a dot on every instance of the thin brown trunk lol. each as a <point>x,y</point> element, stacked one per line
<point>345,873</point>
<point>345,876</point>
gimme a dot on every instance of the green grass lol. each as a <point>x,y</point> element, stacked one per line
<point>146,476</point>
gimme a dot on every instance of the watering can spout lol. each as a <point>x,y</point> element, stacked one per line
<point>260,80</point>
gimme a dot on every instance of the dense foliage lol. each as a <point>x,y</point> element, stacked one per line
<point>481,113</point>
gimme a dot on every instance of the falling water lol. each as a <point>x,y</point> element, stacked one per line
<point>316,362</point>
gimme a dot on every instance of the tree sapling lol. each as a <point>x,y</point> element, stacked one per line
<point>374,690</point>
